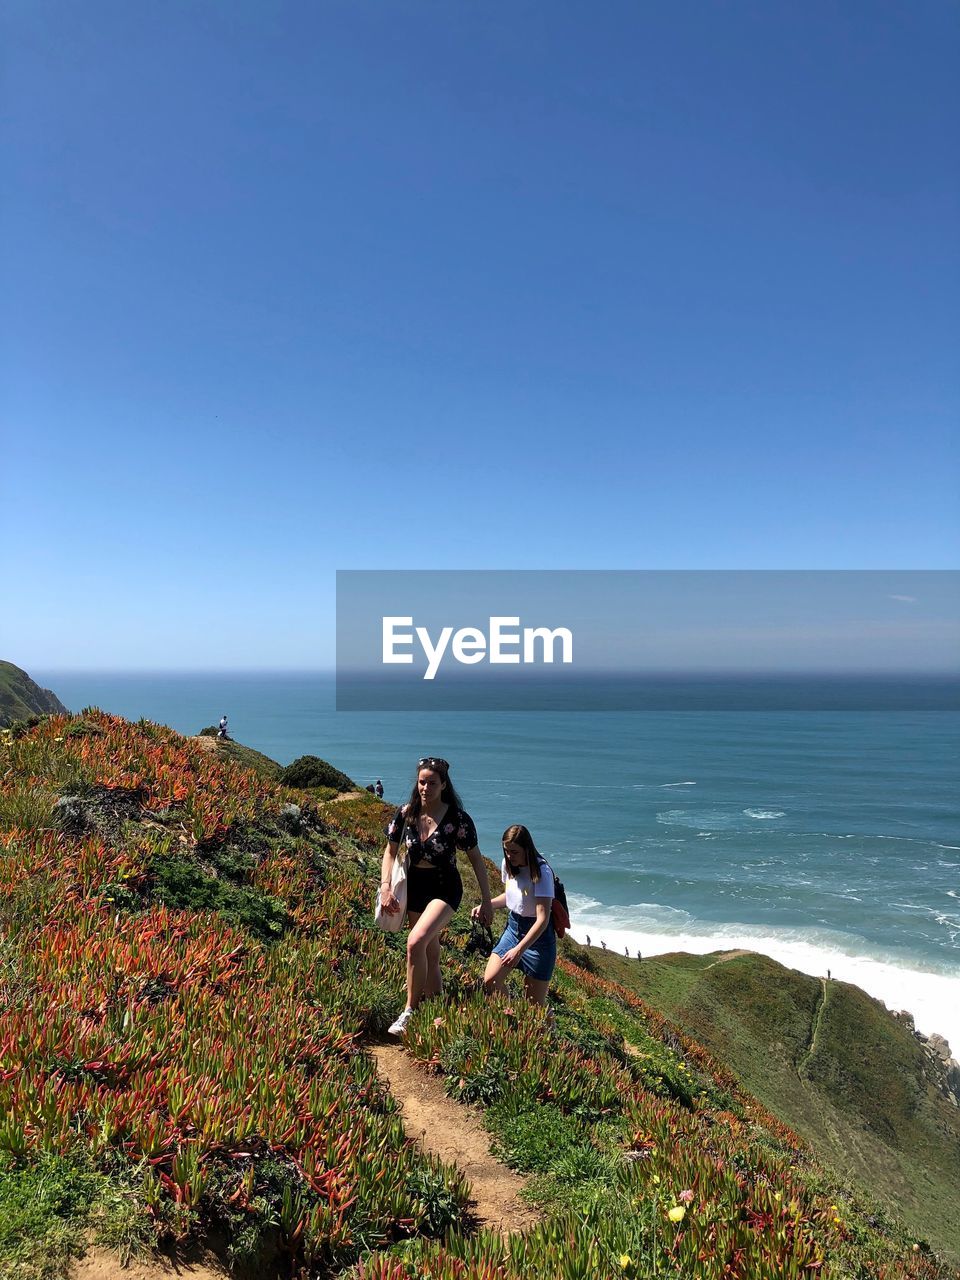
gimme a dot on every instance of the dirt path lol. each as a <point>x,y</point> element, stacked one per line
<point>103,1264</point>
<point>728,955</point>
<point>455,1133</point>
<point>815,1032</point>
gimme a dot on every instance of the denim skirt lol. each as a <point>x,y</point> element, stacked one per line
<point>537,961</point>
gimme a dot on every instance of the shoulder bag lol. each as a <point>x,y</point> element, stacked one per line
<point>398,884</point>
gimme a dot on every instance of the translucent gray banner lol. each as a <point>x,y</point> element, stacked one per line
<point>579,640</point>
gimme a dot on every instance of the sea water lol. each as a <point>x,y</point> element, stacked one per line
<point>827,840</point>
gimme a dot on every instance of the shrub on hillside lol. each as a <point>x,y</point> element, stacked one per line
<point>311,771</point>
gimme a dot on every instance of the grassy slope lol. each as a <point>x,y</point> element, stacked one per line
<point>21,697</point>
<point>246,757</point>
<point>863,1096</point>
<point>186,985</point>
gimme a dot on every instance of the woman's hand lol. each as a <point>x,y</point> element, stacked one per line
<point>388,901</point>
<point>512,957</point>
<point>483,913</point>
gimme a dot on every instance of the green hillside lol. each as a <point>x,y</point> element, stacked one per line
<point>833,1064</point>
<point>21,697</point>
<point>191,996</point>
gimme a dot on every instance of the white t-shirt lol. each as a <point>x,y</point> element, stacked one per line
<point>522,892</point>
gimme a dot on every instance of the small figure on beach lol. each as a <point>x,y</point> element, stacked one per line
<point>588,939</point>
<point>604,945</point>
<point>529,941</point>
<point>222,731</point>
<point>427,831</point>
<point>378,789</point>
<point>626,952</point>
<point>828,975</point>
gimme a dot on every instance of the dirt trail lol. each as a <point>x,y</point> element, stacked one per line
<point>729,955</point>
<point>815,1031</point>
<point>455,1133</point>
<point>103,1264</point>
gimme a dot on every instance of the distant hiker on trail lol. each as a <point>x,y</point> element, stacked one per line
<point>378,788</point>
<point>529,942</point>
<point>431,827</point>
<point>222,731</point>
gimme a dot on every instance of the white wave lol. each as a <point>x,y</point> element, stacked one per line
<point>580,902</point>
<point>948,846</point>
<point>931,995</point>
<point>678,784</point>
<point>764,813</point>
<point>712,820</point>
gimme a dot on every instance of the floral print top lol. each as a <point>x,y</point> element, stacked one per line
<point>454,831</point>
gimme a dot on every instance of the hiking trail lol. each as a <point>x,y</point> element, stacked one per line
<point>455,1133</point>
<point>104,1264</point>
<point>815,1032</point>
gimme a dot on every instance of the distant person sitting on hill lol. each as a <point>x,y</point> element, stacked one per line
<point>529,942</point>
<point>378,788</point>
<point>222,731</point>
<point>430,827</point>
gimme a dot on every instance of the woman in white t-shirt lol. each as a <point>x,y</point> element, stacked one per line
<point>529,942</point>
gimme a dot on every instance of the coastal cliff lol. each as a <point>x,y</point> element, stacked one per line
<point>21,697</point>
<point>194,996</point>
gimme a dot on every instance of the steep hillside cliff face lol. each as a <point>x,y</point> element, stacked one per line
<point>21,697</point>
<point>875,1099</point>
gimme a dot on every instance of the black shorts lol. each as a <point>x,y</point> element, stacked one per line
<point>426,883</point>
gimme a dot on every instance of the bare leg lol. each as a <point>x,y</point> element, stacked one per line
<point>426,928</point>
<point>536,990</point>
<point>434,985</point>
<point>495,977</point>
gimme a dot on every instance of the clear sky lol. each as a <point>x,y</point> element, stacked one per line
<point>292,287</point>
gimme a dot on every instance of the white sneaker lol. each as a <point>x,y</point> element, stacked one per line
<point>399,1027</point>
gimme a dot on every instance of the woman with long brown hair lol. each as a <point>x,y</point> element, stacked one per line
<point>529,942</point>
<point>428,830</point>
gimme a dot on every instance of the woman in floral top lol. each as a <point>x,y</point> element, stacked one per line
<point>431,826</point>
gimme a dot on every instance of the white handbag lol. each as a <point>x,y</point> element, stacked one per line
<point>390,923</point>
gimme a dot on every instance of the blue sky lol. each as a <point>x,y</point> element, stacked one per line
<point>288,288</point>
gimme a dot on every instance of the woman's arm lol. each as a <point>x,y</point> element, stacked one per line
<point>498,903</point>
<point>390,905</point>
<point>485,914</point>
<point>533,933</point>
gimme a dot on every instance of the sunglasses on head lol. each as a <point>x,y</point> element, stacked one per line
<point>433,762</point>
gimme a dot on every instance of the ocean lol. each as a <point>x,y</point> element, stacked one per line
<point>828,840</point>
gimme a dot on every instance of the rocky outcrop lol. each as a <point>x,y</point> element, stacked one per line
<point>945,1069</point>
<point>21,697</point>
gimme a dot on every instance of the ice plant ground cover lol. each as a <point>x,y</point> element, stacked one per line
<point>189,977</point>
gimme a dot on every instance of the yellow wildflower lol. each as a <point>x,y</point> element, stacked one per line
<point>625,1261</point>
<point>676,1213</point>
